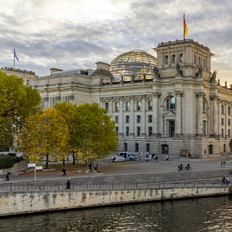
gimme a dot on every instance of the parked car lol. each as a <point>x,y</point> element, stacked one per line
<point>118,159</point>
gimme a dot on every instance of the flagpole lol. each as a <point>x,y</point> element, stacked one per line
<point>184,25</point>
<point>14,57</point>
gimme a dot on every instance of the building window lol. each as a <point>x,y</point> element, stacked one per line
<point>27,82</point>
<point>229,110</point>
<point>228,122</point>
<point>125,146</point>
<point>170,103</point>
<point>138,131</point>
<point>148,147</point>
<point>210,149</point>
<point>203,62</point>
<point>138,105</point>
<point>138,118</point>
<point>229,133</point>
<point>149,118</point>
<point>222,132</point>
<point>224,147</point>
<point>180,58</point>
<point>106,105</point>
<point>222,109</point>
<point>149,131</point>
<point>149,105</point>
<point>136,147</point>
<point>116,119</point>
<point>166,59</point>
<point>116,129</point>
<point>127,106</point>
<point>173,59</point>
<point>195,59</point>
<point>127,119</point>
<point>204,127</point>
<point>222,121</point>
<point>171,128</point>
<point>127,131</point>
<point>164,149</point>
<point>204,104</point>
<point>199,60</point>
<point>116,106</point>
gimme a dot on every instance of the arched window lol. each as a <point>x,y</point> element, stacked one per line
<point>170,103</point>
<point>166,59</point>
<point>195,59</point>
<point>204,105</point>
<point>199,61</point>
<point>180,58</point>
<point>173,58</point>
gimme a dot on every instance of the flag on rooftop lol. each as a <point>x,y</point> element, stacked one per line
<point>185,28</point>
<point>15,56</point>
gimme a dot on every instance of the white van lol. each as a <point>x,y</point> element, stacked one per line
<point>118,159</point>
<point>127,155</point>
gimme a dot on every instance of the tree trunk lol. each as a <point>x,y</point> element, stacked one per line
<point>47,161</point>
<point>74,158</point>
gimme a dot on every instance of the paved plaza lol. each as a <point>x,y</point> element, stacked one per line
<point>130,168</point>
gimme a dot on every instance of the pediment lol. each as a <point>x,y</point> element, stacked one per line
<point>169,114</point>
<point>205,115</point>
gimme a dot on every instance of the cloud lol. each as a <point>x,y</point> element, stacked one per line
<point>77,34</point>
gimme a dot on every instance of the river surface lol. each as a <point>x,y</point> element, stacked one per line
<point>196,214</point>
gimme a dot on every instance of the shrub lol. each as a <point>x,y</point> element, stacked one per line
<point>8,160</point>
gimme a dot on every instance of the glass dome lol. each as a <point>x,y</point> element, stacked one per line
<point>135,64</point>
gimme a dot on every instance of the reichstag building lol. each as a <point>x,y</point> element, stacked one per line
<point>171,104</point>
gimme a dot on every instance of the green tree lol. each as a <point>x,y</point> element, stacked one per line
<point>18,102</point>
<point>69,112</point>
<point>96,137</point>
<point>45,134</point>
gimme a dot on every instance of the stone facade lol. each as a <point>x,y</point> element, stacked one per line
<point>180,108</point>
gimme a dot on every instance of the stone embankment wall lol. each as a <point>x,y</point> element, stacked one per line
<point>20,166</point>
<point>35,201</point>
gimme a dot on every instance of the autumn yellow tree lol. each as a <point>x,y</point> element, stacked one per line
<point>69,112</point>
<point>45,135</point>
<point>18,102</point>
<point>95,133</point>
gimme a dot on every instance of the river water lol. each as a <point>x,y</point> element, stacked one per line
<point>196,214</point>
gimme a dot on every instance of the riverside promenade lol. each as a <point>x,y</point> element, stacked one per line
<point>122,183</point>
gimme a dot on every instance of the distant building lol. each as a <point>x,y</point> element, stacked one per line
<point>27,76</point>
<point>170,105</point>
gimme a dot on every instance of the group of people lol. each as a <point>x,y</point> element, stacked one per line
<point>181,168</point>
<point>91,168</point>
<point>223,163</point>
<point>225,180</point>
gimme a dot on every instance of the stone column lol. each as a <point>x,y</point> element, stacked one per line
<point>226,120</point>
<point>155,114</point>
<point>121,134</point>
<point>178,112</point>
<point>46,102</point>
<point>215,116</point>
<point>110,107</point>
<point>219,117</point>
<point>169,57</point>
<point>200,114</point>
<point>143,117</point>
<point>132,133</point>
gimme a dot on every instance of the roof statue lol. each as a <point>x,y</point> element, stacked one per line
<point>156,72</point>
<point>199,73</point>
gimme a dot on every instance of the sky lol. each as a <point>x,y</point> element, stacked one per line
<point>78,33</point>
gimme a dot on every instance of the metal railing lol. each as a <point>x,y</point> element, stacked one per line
<point>11,187</point>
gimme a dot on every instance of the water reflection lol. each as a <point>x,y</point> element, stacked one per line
<point>202,214</point>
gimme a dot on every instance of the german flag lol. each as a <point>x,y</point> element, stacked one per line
<point>185,28</point>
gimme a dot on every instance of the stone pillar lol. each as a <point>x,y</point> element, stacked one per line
<point>200,114</point>
<point>46,102</point>
<point>110,107</point>
<point>169,57</point>
<point>178,112</point>
<point>215,116</point>
<point>121,134</point>
<point>132,133</point>
<point>155,114</point>
<point>226,120</point>
<point>219,117</point>
<point>143,117</point>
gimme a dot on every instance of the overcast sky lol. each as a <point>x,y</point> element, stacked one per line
<point>70,34</point>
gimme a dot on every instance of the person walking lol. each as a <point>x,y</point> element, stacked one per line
<point>181,166</point>
<point>178,168</point>
<point>224,163</point>
<point>156,158</point>
<point>64,171</point>
<point>221,163</point>
<point>68,183</point>
<point>90,166</point>
<point>7,176</point>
